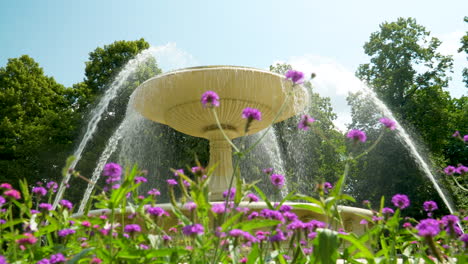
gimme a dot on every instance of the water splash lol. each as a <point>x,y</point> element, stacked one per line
<point>96,114</point>
<point>405,138</point>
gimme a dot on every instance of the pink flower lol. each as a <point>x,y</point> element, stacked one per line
<point>277,180</point>
<point>210,99</point>
<point>296,77</point>
<point>251,114</point>
<point>13,194</point>
<point>357,135</point>
<point>390,124</point>
<point>113,170</point>
<point>305,123</point>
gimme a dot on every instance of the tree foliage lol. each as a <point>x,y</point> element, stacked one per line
<point>408,74</point>
<point>37,123</point>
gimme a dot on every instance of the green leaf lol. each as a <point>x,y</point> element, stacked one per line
<point>309,207</point>
<point>366,253</point>
<point>253,255</point>
<point>80,255</point>
<point>260,223</point>
<point>326,246</point>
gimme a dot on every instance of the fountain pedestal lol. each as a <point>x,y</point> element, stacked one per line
<point>221,158</point>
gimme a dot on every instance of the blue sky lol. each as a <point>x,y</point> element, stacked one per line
<point>310,34</point>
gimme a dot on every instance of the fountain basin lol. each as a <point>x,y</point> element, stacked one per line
<point>351,215</point>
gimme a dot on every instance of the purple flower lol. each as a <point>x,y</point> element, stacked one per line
<point>296,77</point>
<point>112,170</point>
<point>52,185</point>
<point>357,135</point>
<point>218,208</point>
<point>456,134</point>
<point>210,99</point>
<point>198,171</point>
<point>45,206</point>
<point>154,192</point>
<point>171,182</point>
<point>140,179</point>
<point>387,211</point>
<point>28,240</point>
<point>251,114</point>
<point>57,258</point>
<point>465,138</point>
<point>285,208</point>
<point>268,171</point>
<point>2,200</point>
<point>65,232</point>
<point>290,216</point>
<point>13,194</point>
<point>296,224</point>
<point>462,169</point>
<point>401,201</point>
<point>390,124</point>
<point>449,170</point>
<point>430,206</point>
<point>132,228</point>
<point>231,193</point>
<point>43,261</point>
<point>66,204</point>
<point>196,229</point>
<point>236,233</point>
<point>252,215</point>
<point>407,225</point>
<point>157,211</point>
<point>6,186</point>
<point>305,123</point>
<point>190,206</point>
<point>3,260</point>
<point>252,197</point>
<point>428,227</point>
<point>178,172</point>
<point>277,180</point>
<point>40,191</point>
<point>450,220</point>
<point>279,236</point>
<point>463,238</point>
<point>363,222</point>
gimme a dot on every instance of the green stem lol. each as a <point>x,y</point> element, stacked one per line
<point>372,146</point>
<point>459,185</point>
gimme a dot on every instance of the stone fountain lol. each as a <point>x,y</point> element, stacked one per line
<point>174,99</point>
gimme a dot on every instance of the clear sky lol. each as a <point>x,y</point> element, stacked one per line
<point>311,34</point>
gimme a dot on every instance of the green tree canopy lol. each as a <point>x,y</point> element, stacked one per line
<point>409,74</point>
<point>36,120</point>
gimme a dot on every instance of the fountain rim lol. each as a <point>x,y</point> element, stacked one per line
<point>211,67</point>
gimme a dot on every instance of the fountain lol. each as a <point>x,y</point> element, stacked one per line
<point>174,99</point>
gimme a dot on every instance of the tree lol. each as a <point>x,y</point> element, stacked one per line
<point>408,74</point>
<point>37,124</point>
<point>464,47</point>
